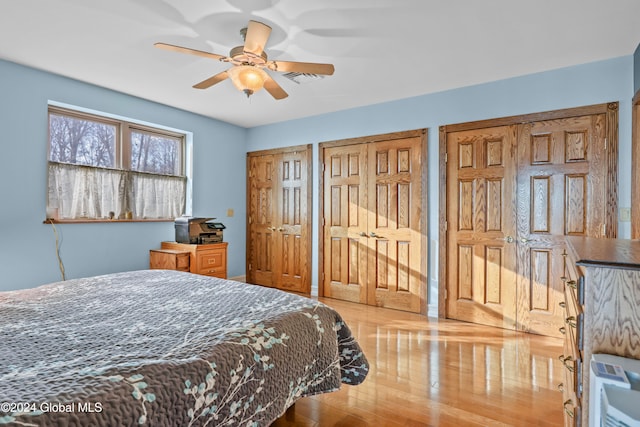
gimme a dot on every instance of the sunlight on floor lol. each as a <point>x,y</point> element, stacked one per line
<point>433,372</point>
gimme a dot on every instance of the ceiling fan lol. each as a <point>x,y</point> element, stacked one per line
<point>249,63</point>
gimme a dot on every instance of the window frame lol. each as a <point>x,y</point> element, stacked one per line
<point>122,155</point>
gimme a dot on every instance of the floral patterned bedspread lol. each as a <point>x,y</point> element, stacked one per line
<point>159,347</point>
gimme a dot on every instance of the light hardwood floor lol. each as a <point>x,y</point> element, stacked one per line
<point>433,372</point>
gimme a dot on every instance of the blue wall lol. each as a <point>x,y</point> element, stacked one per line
<point>636,69</point>
<point>594,83</point>
<point>27,246</point>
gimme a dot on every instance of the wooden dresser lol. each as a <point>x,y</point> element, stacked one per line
<point>209,259</point>
<point>602,304</point>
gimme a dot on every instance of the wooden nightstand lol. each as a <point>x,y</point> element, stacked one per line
<point>209,259</point>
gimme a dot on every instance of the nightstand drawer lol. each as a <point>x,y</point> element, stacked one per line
<point>207,260</point>
<point>169,259</point>
<point>215,272</point>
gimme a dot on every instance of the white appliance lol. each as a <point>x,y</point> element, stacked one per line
<point>614,392</point>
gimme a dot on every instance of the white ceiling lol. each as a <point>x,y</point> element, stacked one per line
<point>382,49</point>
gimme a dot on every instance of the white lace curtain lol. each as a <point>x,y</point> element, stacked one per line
<point>84,192</point>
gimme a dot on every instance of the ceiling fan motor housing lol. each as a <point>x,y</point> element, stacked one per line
<point>240,57</point>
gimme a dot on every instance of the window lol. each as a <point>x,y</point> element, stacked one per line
<point>104,169</point>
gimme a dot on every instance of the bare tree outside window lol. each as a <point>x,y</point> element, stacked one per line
<point>81,141</point>
<point>155,153</point>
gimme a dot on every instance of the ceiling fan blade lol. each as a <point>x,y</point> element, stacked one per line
<point>274,88</point>
<point>212,80</point>
<point>181,49</point>
<point>256,37</point>
<point>301,67</point>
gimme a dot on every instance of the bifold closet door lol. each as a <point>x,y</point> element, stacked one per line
<point>374,246</point>
<point>513,193</point>
<point>395,237</point>
<point>481,223</point>
<point>561,192</point>
<point>278,218</point>
<point>292,222</point>
<point>261,231</point>
<point>345,223</point>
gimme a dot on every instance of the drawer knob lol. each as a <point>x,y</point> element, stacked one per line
<point>562,330</point>
<point>562,304</point>
<point>565,361</point>
<point>571,321</point>
<point>561,387</point>
<point>569,411</point>
<point>572,284</point>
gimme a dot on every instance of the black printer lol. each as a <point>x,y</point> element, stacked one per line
<point>198,230</point>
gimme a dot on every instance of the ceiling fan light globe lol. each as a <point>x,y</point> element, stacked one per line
<point>247,79</point>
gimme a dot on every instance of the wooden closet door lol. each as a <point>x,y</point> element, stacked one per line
<point>394,225</point>
<point>508,211</point>
<point>481,257</point>
<point>261,230</point>
<point>345,223</point>
<point>561,192</point>
<point>374,235</point>
<point>279,218</point>
<point>292,227</point>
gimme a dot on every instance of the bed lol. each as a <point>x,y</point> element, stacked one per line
<point>160,347</point>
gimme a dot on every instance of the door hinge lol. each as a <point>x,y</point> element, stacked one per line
<point>446,294</point>
<point>250,220</point>
<point>446,157</point>
<point>446,226</point>
<point>323,166</point>
<point>605,143</point>
<point>323,221</point>
<point>249,266</point>
<point>604,230</point>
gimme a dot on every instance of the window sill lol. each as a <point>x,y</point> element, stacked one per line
<point>91,221</point>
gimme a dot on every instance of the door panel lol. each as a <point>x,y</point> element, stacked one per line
<point>345,216</point>
<point>481,220</point>
<point>291,229</point>
<point>394,224</point>
<point>261,234</point>
<point>561,191</point>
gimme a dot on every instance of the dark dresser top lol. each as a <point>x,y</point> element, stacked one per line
<point>615,253</point>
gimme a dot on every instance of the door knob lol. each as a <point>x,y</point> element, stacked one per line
<point>508,239</point>
<point>271,228</point>
<point>524,241</point>
<point>363,234</point>
<point>372,234</point>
